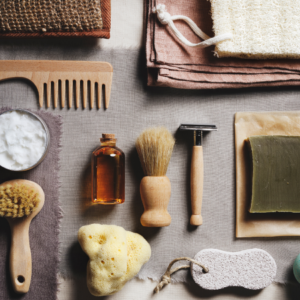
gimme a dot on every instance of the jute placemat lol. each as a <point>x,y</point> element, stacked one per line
<point>44,18</point>
<point>44,229</point>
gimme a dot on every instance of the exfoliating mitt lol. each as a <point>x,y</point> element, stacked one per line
<point>261,29</point>
<point>41,18</point>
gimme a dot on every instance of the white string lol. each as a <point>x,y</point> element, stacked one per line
<point>166,19</point>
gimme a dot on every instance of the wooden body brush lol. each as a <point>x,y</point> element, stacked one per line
<point>20,202</point>
<point>155,146</point>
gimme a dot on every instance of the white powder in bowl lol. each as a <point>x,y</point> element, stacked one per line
<point>22,140</point>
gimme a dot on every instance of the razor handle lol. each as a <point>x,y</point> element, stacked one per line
<point>196,185</point>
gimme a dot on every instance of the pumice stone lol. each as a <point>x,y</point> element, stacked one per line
<point>252,269</point>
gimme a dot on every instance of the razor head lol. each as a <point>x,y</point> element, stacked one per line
<point>198,127</point>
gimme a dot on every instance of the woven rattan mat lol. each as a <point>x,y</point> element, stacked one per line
<point>44,18</point>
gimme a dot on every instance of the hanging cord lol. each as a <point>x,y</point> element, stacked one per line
<point>166,278</point>
<point>166,19</point>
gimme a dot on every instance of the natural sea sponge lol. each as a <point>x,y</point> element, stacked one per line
<point>116,256</point>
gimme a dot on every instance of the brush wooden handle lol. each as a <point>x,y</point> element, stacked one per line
<point>155,193</point>
<point>196,185</point>
<point>20,256</point>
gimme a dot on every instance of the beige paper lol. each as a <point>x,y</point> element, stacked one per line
<point>266,224</point>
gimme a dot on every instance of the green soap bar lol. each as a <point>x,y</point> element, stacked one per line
<point>275,174</point>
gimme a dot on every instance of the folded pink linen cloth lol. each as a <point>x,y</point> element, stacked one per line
<point>173,64</point>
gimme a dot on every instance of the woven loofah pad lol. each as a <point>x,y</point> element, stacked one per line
<point>261,28</point>
<point>20,18</point>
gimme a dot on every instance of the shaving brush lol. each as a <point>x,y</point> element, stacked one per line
<point>155,147</point>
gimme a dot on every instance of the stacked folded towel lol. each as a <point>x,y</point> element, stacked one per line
<point>171,63</point>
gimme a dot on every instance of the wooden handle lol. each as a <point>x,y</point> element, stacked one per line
<point>155,193</point>
<point>196,185</point>
<point>20,256</point>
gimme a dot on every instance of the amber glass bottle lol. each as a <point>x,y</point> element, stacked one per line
<point>108,172</point>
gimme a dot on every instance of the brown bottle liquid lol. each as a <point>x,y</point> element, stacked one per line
<point>108,172</point>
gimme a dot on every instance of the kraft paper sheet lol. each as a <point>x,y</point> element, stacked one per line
<point>269,224</point>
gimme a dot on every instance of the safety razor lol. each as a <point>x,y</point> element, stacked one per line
<point>197,169</point>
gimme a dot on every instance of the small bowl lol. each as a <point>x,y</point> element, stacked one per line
<point>47,137</point>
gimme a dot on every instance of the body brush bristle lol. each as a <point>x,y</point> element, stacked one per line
<point>155,146</point>
<point>17,201</point>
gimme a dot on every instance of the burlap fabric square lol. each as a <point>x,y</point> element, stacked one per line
<point>46,18</point>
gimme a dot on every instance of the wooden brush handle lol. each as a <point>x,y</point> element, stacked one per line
<point>196,185</point>
<point>155,193</point>
<point>20,256</point>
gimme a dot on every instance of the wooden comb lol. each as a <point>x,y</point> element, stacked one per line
<point>51,76</point>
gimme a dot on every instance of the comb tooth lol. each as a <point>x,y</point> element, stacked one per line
<point>41,94</point>
<point>55,96</point>
<point>99,95</point>
<point>92,95</point>
<point>77,93</point>
<point>48,87</point>
<point>63,93</point>
<point>84,93</point>
<point>107,91</point>
<point>70,93</point>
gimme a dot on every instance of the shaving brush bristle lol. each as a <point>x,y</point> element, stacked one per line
<point>155,146</point>
<point>17,201</point>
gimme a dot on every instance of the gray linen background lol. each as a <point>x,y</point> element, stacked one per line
<point>134,107</point>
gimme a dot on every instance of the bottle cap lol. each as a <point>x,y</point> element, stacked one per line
<point>108,135</point>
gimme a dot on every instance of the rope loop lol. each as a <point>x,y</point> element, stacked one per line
<point>166,19</point>
<point>166,278</point>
